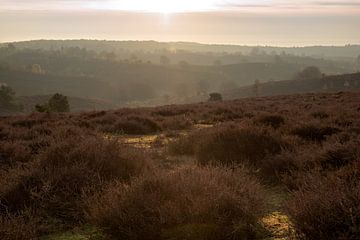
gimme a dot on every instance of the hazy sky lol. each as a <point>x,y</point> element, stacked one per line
<point>263,22</point>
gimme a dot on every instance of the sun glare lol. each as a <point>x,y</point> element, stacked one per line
<point>159,6</point>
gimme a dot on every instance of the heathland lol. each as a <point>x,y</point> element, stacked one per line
<point>281,167</point>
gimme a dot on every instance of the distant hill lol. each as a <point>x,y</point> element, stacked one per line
<point>346,82</point>
<point>135,72</point>
<point>347,51</point>
<point>76,104</point>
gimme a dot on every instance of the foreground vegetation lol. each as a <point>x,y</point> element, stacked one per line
<point>211,171</point>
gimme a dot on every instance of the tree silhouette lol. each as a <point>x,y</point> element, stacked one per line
<point>7,97</point>
<point>214,97</point>
<point>57,103</point>
<point>164,60</point>
<point>311,72</point>
<point>256,87</point>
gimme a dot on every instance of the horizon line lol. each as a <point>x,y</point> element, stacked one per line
<point>193,42</point>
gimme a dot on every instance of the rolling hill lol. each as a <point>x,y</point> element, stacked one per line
<point>346,82</point>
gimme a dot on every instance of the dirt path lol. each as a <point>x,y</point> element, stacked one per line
<point>276,222</point>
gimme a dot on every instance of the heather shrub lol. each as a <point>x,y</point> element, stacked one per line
<point>191,203</point>
<point>134,125</point>
<point>28,122</point>
<point>175,123</point>
<point>222,114</point>
<point>293,167</point>
<point>314,133</point>
<point>21,226</point>
<point>320,114</point>
<point>12,152</point>
<point>327,208</point>
<point>171,111</point>
<point>232,144</point>
<point>183,145</point>
<point>339,155</point>
<point>65,173</point>
<point>272,120</point>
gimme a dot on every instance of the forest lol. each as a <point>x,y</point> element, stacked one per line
<point>136,73</point>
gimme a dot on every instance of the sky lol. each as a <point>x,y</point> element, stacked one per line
<point>244,22</point>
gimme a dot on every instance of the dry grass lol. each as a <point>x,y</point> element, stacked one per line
<point>52,166</point>
<point>213,202</point>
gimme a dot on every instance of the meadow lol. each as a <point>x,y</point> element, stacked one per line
<point>282,167</point>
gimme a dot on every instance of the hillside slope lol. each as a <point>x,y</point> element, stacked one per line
<point>346,82</point>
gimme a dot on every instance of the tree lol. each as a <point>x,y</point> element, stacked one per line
<point>6,94</point>
<point>183,64</point>
<point>42,108</point>
<point>7,97</point>
<point>11,47</point>
<point>311,72</point>
<point>256,87</point>
<point>36,69</point>
<point>217,63</point>
<point>164,60</point>
<point>57,103</point>
<point>255,51</point>
<point>214,97</point>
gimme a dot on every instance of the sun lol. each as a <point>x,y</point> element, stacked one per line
<point>157,6</point>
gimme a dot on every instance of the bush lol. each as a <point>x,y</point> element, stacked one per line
<point>295,166</point>
<point>338,156</point>
<point>320,114</point>
<point>65,172</point>
<point>231,144</point>
<point>184,145</point>
<point>192,203</point>
<point>328,208</point>
<point>175,123</point>
<point>19,227</point>
<point>314,133</point>
<point>272,120</point>
<point>57,103</point>
<point>14,152</point>
<point>134,125</point>
<point>215,97</point>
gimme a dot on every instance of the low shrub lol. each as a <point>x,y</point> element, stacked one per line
<point>183,145</point>
<point>171,111</point>
<point>175,123</point>
<point>320,114</point>
<point>223,114</point>
<point>293,167</point>
<point>314,133</point>
<point>192,203</point>
<point>65,172</point>
<point>14,152</point>
<point>21,226</point>
<point>134,125</point>
<point>338,156</point>
<point>327,207</point>
<point>272,120</point>
<point>232,144</point>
